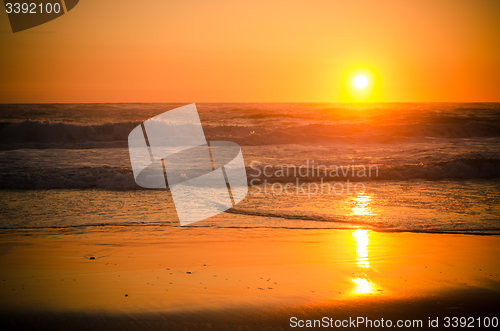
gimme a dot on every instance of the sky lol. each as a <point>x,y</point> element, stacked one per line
<point>256,51</point>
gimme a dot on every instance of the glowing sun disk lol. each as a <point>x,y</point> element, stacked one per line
<point>360,81</point>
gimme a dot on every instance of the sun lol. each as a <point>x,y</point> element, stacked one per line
<point>360,81</point>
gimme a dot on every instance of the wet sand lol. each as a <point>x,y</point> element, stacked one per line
<point>143,277</point>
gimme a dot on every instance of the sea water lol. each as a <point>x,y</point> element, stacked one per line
<point>421,167</point>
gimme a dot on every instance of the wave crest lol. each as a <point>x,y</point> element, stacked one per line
<point>121,178</point>
<point>34,134</point>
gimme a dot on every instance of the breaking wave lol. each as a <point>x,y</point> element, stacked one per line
<point>121,178</point>
<point>35,134</point>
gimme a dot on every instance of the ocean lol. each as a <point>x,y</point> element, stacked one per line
<point>416,167</point>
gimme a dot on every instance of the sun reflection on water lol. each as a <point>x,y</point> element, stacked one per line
<point>362,205</point>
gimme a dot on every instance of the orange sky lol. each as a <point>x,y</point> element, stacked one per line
<point>254,51</point>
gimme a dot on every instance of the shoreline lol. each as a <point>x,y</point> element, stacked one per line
<point>70,228</point>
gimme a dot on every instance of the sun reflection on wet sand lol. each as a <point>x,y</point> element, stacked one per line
<point>362,285</point>
<point>362,238</point>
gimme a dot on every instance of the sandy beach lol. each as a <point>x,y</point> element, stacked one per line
<point>142,277</point>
